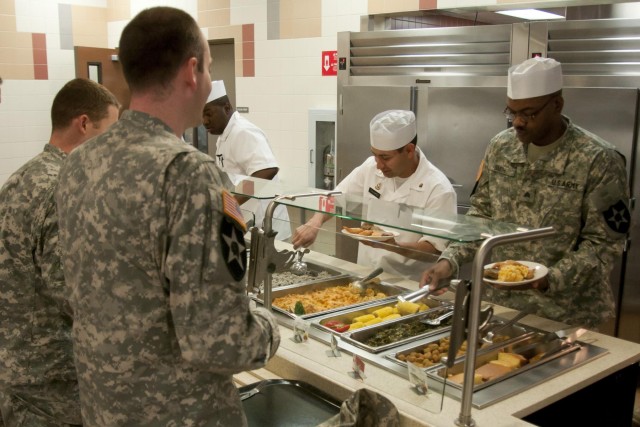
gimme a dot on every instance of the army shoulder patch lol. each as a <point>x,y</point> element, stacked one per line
<point>232,229</point>
<point>617,217</point>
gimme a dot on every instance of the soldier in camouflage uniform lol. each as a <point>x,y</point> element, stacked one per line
<point>154,249</point>
<point>546,171</point>
<point>37,373</point>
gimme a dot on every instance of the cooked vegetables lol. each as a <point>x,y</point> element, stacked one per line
<point>298,308</point>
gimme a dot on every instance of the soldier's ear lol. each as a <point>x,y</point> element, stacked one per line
<point>81,122</point>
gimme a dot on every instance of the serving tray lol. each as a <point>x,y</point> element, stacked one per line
<point>390,290</point>
<point>359,337</point>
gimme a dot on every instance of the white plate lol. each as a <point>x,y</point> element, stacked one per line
<point>539,271</point>
<point>373,238</point>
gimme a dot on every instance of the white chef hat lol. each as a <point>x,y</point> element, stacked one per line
<point>534,77</point>
<point>217,90</point>
<point>392,129</point>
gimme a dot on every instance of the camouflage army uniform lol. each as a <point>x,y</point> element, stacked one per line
<point>154,254</point>
<point>37,374</point>
<point>580,189</point>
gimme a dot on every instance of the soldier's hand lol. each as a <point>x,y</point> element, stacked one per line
<point>431,277</point>
<point>541,284</point>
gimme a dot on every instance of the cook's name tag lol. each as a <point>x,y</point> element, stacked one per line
<point>374,193</point>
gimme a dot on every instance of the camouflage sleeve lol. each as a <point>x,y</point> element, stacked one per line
<point>605,218</point>
<point>215,327</point>
<point>47,256</point>
<point>460,253</point>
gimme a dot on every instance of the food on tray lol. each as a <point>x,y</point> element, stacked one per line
<point>459,378</point>
<point>505,363</point>
<point>325,299</point>
<point>367,230</point>
<point>364,318</point>
<point>401,331</point>
<point>298,308</point>
<point>429,355</point>
<point>337,326</point>
<point>509,271</point>
<point>286,278</point>
<point>378,315</point>
<point>384,312</point>
<point>407,307</point>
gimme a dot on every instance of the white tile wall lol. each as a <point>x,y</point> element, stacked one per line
<point>248,12</point>
<point>287,84</point>
<point>114,30</point>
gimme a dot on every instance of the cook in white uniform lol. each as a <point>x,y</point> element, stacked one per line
<point>397,172</point>
<point>243,150</point>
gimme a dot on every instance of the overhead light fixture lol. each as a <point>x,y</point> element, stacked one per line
<point>531,14</point>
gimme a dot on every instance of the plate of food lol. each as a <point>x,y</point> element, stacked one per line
<point>513,274</point>
<point>374,233</point>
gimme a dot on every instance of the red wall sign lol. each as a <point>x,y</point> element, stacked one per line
<point>329,62</point>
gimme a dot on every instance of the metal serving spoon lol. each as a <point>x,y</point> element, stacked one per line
<point>300,267</point>
<point>361,284</point>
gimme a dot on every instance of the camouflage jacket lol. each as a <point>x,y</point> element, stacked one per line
<point>35,318</point>
<point>154,256</point>
<point>581,190</point>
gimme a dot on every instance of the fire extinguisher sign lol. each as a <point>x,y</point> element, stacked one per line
<point>329,62</point>
<point>327,204</point>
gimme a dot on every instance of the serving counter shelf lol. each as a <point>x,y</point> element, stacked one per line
<point>389,292</point>
<point>484,396</point>
<point>390,216</point>
<point>348,316</point>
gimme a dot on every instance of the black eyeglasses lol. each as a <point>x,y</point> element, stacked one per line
<point>511,115</point>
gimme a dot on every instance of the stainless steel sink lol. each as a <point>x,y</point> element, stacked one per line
<point>286,403</point>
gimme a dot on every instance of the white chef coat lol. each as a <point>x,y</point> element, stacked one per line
<point>243,149</point>
<point>427,188</point>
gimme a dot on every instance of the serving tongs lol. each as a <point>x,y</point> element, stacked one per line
<point>554,342</point>
<point>425,291</point>
<point>438,320</point>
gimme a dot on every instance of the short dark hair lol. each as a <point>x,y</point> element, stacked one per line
<point>81,96</point>
<point>155,44</point>
<point>414,141</point>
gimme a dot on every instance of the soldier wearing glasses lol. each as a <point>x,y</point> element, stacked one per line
<point>547,171</point>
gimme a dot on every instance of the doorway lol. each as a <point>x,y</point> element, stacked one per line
<point>102,66</point>
<point>223,67</point>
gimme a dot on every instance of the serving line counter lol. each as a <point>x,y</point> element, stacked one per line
<point>600,373</point>
<point>608,376</point>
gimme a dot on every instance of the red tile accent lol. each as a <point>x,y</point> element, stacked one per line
<point>39,40</point>
<point>40,56</point>
<point>41,72</point>
<point>248,50</point>
<point>247,32</point>
<point>40,65</point>
<point>428,4</point>
<point>248,68</point>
